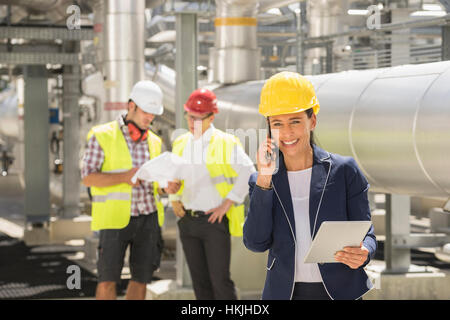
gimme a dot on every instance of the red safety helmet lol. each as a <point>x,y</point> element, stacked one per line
<point>202,101</point>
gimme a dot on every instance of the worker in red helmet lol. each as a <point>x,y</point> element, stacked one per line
<point>210,203</point>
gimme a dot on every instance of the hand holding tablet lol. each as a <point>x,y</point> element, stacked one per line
<point>340,241</point>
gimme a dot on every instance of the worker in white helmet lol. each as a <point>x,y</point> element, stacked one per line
<point>124,212</point>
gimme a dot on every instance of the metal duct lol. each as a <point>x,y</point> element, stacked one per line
<point>325,17</point>
<point>122,29</point>
<point>393,121</point>
<point>235,40</point>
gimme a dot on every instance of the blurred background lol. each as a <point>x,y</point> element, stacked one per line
<point>381,70</point>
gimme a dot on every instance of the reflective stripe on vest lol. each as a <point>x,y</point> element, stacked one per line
<point>220,170</point>
<point>112,196</point>
<point>111,206</point>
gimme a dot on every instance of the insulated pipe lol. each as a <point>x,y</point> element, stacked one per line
<point>393,121</point>
<point>235,40</point>
<point>122,53</point>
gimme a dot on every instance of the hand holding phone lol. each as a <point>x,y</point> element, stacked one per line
<point>267,156</point>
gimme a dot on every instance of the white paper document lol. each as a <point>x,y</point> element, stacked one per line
<point>162,169</point>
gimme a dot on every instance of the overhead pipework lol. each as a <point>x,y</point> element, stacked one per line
<point>235,40</point>
<point>123,53</point>
<point>393,121</point>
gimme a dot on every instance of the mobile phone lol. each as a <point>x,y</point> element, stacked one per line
<point>270,156</point>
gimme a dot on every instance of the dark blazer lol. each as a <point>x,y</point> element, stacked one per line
<point>338,192</point>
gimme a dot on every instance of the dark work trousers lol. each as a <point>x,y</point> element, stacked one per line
<point>310,291</point>
<point>207,248</point>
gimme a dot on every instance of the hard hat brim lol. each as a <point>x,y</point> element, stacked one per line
<point>315,107</point>
<point>186,108</point>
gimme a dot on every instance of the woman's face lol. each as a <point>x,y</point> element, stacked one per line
<point>292,132</point>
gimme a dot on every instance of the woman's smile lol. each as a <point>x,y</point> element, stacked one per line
<point>289,143</point>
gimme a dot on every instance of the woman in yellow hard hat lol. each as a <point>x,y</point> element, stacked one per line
<point>295,191</point>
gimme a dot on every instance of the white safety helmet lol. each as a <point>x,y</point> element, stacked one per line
<point>148,96</point>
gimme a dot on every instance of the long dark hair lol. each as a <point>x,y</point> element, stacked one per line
<point>309,113</point>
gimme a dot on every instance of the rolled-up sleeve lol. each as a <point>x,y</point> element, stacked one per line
<point>93,158</point>
<point>244,167</point>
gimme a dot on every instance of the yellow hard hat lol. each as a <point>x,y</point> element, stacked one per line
<point>287,92</point>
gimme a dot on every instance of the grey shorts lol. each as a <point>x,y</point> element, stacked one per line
<point>142,234</point>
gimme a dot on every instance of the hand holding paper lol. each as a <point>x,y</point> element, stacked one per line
<point>162,169</point>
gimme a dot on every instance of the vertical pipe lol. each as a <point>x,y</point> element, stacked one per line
<point>301,33</point>
<point>186,82</point>
<point>36,124</point>
<point>235,40</point>
<point>186,61</point>
<point>123,53</point>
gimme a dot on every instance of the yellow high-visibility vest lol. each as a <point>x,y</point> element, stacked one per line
<point>111,206</point>
<point>220,170</point>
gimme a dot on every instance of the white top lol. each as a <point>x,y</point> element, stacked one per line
<point>199,191</point>
<point>299,184</point>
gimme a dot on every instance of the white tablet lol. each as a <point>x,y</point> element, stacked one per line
<point>333,236</point>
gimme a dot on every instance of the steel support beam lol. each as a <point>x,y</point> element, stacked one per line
<point>446,42</point>
<point>420,240</point>
<point>301,33</point>
<point>33,48</point>
<point>186,60</point>
<point>36,126</point>
<point>398,209</point>
<point>39,58</point>
<point>71,136</point>
<point>329,58</point>
<point>46,33</point>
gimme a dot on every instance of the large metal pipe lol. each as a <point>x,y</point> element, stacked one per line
<point>122,30</point>
<point>394,122</point>
<point>236,40</point>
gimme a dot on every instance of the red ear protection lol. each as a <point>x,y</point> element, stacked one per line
<point>136,133</point>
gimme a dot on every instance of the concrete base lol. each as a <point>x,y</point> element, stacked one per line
<point>59,231</point>
<point>62,230</point>
<point>422,283</point>
<point>37,236</point>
